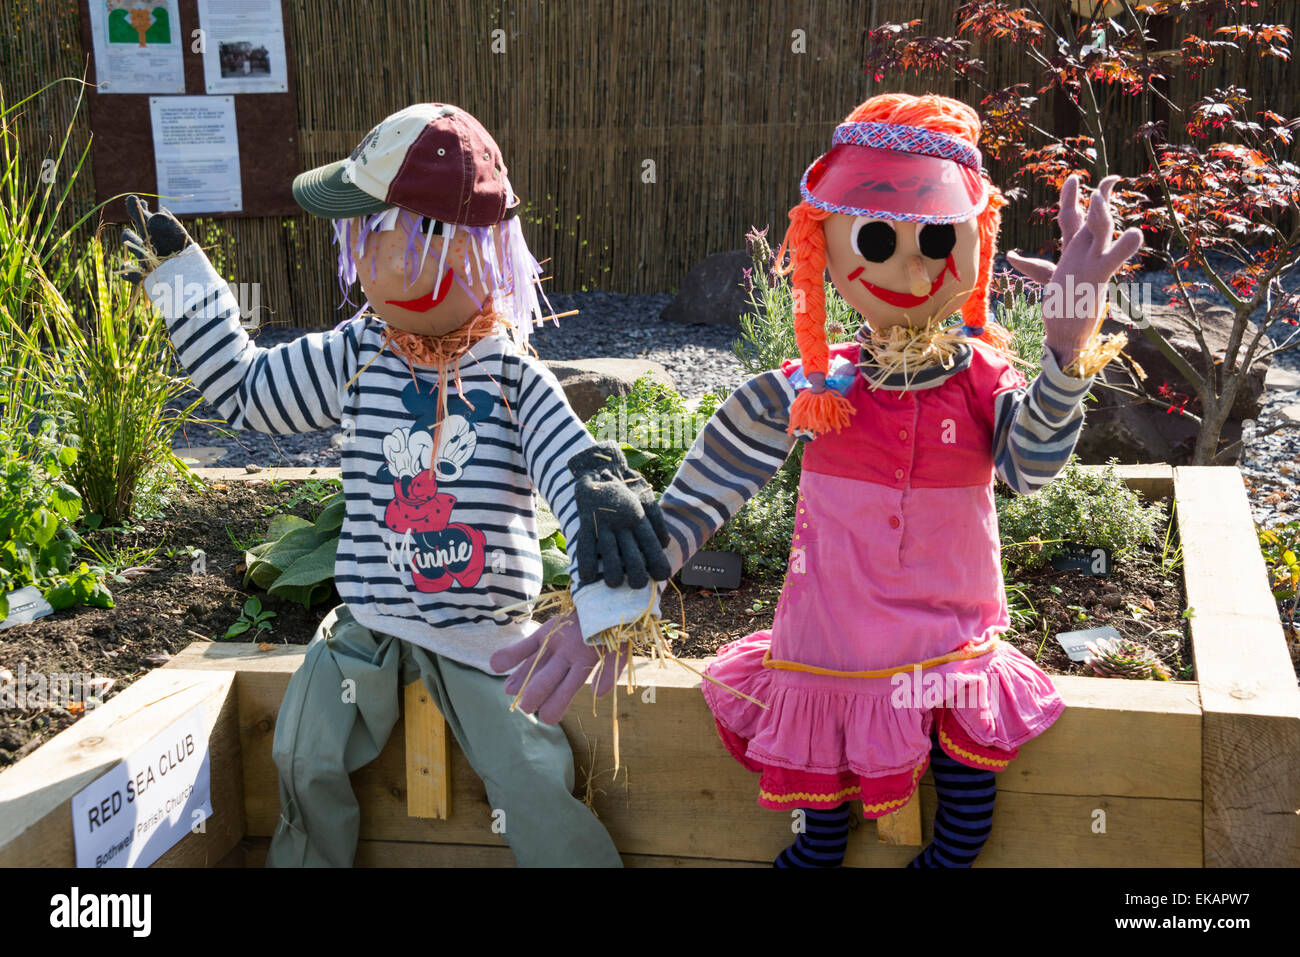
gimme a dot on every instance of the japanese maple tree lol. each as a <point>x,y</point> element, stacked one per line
<point>1214,183</point>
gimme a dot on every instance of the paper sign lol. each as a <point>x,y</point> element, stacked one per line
<point>196,152</point>
<point>1075,643</point>
<point>718,570</point>
<point>137,46</point>
<point>25,604</point>
<point>137,811</point>
<point>1089,559</point>
<point>243,46</point>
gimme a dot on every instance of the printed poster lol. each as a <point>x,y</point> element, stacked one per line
<point>243,46</point>
<point>137,45</point>
<point>196,153</point>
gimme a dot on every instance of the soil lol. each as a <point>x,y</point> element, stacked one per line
<point>158,613</point>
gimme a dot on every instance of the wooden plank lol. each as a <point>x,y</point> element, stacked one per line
<point>426,754</point>
<point>1132,745</point>
<point>903,827</point>
<point>36,793</point>
<point>275,474</point>
<point>1251,733</point>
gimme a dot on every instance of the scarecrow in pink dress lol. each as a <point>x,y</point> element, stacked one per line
<point>884,657</point>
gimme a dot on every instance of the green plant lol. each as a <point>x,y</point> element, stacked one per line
<point>252,617</point>
<point>112,383</point>
<point>653,426</point>
<point>115,561</point>
<point>1092,507</point>
<point>242,544</point>
<point>37,509</point>
<point>297,559</point>
<point>767,330</point>
<point>1125,658</point>
<point>1280,547</point>
<point>1022,315</point>
<point>103,376</point>
<point>312,492</point>
<point>550,541</point>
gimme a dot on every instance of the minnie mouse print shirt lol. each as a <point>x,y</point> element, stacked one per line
<point>435,542</point>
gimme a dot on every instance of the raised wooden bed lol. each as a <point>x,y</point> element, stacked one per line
<point>1205,772</point>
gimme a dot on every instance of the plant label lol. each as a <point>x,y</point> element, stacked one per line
<point>135,812</point>
<point>719,571</point>
<point>1076,643</point>
<point>1089,559</point>
<point>25,604</point>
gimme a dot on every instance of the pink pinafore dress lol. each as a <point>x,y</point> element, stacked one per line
<point>887,625</point>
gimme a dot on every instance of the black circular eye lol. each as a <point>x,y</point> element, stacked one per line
<point>873,239</point>
<point>426,222</point>
<point>937,241</point>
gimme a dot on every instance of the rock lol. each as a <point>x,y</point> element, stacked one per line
<point>712,293</point>
<point>1282,378</point>
<point>587,383</point>
<point>1132,431</point>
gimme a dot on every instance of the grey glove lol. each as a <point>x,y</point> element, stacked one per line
<point>155,237</point>
<point>620,525</point>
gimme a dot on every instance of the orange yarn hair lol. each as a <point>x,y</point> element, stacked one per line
<point>803,256</point>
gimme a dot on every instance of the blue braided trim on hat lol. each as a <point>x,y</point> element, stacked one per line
<point>908,139</point>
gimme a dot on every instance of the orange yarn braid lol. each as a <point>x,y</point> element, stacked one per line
<point>805,247</point>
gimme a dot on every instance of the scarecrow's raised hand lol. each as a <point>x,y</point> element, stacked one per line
<point>1074,289</point>
<point>155,236</point>
<point>552,664</point>
<point>621,529</point>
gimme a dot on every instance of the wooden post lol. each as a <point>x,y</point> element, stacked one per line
<point>427,790</point>
<point>1251,725</point>
<point>903,826</point>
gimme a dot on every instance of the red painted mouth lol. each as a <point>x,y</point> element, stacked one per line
<point>428,300</point>
<point>904,300</point>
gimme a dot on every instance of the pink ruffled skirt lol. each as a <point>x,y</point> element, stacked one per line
<point>824,740</point>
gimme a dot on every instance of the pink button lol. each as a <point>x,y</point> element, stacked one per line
<point>893,521</point>
<point>902,434</point>
<point>898,473</point>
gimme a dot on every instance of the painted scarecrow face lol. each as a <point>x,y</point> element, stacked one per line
<point>433,302</point>
<point>894,272</point>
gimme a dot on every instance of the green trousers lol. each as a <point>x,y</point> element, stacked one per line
<point>338,712</point>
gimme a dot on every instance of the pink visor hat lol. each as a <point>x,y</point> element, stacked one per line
<point>892,171</point>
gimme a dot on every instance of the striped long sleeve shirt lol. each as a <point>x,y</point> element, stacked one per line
<point>435,542</point>
<point>1033,431</point>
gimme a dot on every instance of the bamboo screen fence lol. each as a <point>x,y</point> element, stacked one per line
<point>582,97</point>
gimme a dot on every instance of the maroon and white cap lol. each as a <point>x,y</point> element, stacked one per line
<point>431,158</point>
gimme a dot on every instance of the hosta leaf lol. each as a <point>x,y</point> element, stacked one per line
<point>317,566</point>
<point>282,525</point>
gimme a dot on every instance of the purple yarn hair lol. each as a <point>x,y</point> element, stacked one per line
<point>514,278</point>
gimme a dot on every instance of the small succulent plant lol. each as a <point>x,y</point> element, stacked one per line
<point>1125,658</point>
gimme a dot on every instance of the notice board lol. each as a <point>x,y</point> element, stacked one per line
<point>122,148</point>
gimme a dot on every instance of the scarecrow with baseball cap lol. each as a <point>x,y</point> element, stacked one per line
<point>450,433</point>
<point>884,657</point>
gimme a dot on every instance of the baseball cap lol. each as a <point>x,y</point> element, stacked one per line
<point>898,172</point>
<point>434,159</point>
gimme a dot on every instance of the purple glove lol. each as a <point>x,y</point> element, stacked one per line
<point>1088,258</point>
<point>561,668</point>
